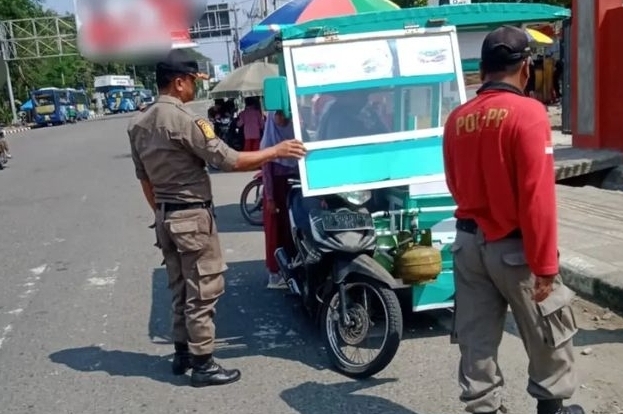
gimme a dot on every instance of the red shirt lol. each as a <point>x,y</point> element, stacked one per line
<point>499,168</point>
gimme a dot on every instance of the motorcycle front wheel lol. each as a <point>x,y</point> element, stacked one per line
<point>374,317</point>
<point>251,203</point>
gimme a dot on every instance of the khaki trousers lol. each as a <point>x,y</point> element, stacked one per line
<point>489,277</point>
<point>195,265</point>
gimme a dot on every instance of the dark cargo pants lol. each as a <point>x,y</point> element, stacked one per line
<point>489,277</point>
<point>192,255</point>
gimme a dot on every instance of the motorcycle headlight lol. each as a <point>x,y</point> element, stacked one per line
<point>356,198</point>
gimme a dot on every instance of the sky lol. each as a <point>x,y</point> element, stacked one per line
<point>216,49</point>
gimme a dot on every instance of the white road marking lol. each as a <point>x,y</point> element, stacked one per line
<point>15,311</point>
<point>37,271</point>
<point>5,332</point>
<point>101,281</point>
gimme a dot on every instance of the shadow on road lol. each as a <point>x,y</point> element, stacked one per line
<point>340,399</point>
<point>584,337</point>
<point>229,220</point>
<point>252,320</point>
<point>119,363</point>
<point>159,326</point>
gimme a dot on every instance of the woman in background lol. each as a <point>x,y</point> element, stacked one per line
<point>275,176</point>
<point>251,121</point>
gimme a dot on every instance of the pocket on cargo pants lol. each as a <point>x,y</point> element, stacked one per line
<point>189,230</point>
<point>194,234</point>
<point>558,320</point>
<point>211,282</point>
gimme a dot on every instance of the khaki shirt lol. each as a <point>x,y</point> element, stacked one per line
<point>170,148</point>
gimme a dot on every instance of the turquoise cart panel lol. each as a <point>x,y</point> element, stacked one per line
<point>371,163</point>
<point>434,295</point>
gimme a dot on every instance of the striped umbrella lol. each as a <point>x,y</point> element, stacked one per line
<point>300,11</point>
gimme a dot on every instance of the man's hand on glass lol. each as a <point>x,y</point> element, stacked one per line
<point>290,148</point>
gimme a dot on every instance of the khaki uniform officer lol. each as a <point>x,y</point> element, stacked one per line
<point>170,148</point>
<point>499,165</point>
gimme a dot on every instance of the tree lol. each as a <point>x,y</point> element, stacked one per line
<point>70,71</point>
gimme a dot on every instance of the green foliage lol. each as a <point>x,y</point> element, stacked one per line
<point>69,71</point>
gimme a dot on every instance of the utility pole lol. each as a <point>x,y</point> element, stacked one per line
<point>264,8</point>
<point>9,84</point>
<point>229,62</point>
<point>237,54</point>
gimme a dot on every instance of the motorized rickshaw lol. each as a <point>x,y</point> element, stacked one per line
<point>120,100</point>
<point>79,98</point>
<point>51,106</point>
<point>373,173</point>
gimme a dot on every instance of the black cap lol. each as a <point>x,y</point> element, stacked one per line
<point>180,61</point>
<point>504,46</point>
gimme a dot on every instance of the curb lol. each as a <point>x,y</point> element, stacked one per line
<point>11,130</point>
<point>614,180</point>
<point>594,280</point>
<point>16,130</point>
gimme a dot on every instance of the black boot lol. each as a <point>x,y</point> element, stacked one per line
<point>207,372</point>
<point>182,360</point>
<point>556,407</point>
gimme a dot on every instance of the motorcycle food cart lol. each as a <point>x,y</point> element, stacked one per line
<point>416,74</point>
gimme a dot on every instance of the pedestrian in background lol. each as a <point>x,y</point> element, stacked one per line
<point>499,165</point>
<point>251,120</point>
<point>170,149</point>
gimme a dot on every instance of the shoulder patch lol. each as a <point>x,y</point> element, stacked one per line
<point>205,128</point>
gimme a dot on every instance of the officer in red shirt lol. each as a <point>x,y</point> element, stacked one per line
<point>500,170</point>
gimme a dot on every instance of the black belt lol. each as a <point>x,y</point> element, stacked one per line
<point>169,207</point>
<point>470,226</point>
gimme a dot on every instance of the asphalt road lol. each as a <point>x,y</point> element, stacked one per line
<point>84,324</point>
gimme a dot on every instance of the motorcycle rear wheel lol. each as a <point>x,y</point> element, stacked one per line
<point>334,332</point>
<point>253,188</point>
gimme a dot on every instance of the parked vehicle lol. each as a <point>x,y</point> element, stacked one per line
<point>120,101</point>
<point>52,107</point>
<point>371,216</point>
<point>79,99</point>
<point>340,282</point>
<point>251,201</point>
<point>221,128</point>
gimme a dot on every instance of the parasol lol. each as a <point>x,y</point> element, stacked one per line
<point>299,11</point>
<point>537,37</point>
<point>247,80</point>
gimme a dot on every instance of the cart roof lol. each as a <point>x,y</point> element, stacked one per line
<point>466,17</point>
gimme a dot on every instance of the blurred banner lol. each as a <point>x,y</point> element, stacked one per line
<point>134,30</point>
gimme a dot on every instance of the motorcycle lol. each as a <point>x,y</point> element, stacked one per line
<point>342,287</point>
<point>221,128</point>
<point>252,209</point>
<point>4,159</point>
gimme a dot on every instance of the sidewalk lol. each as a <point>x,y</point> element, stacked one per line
<point>591,242</point>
